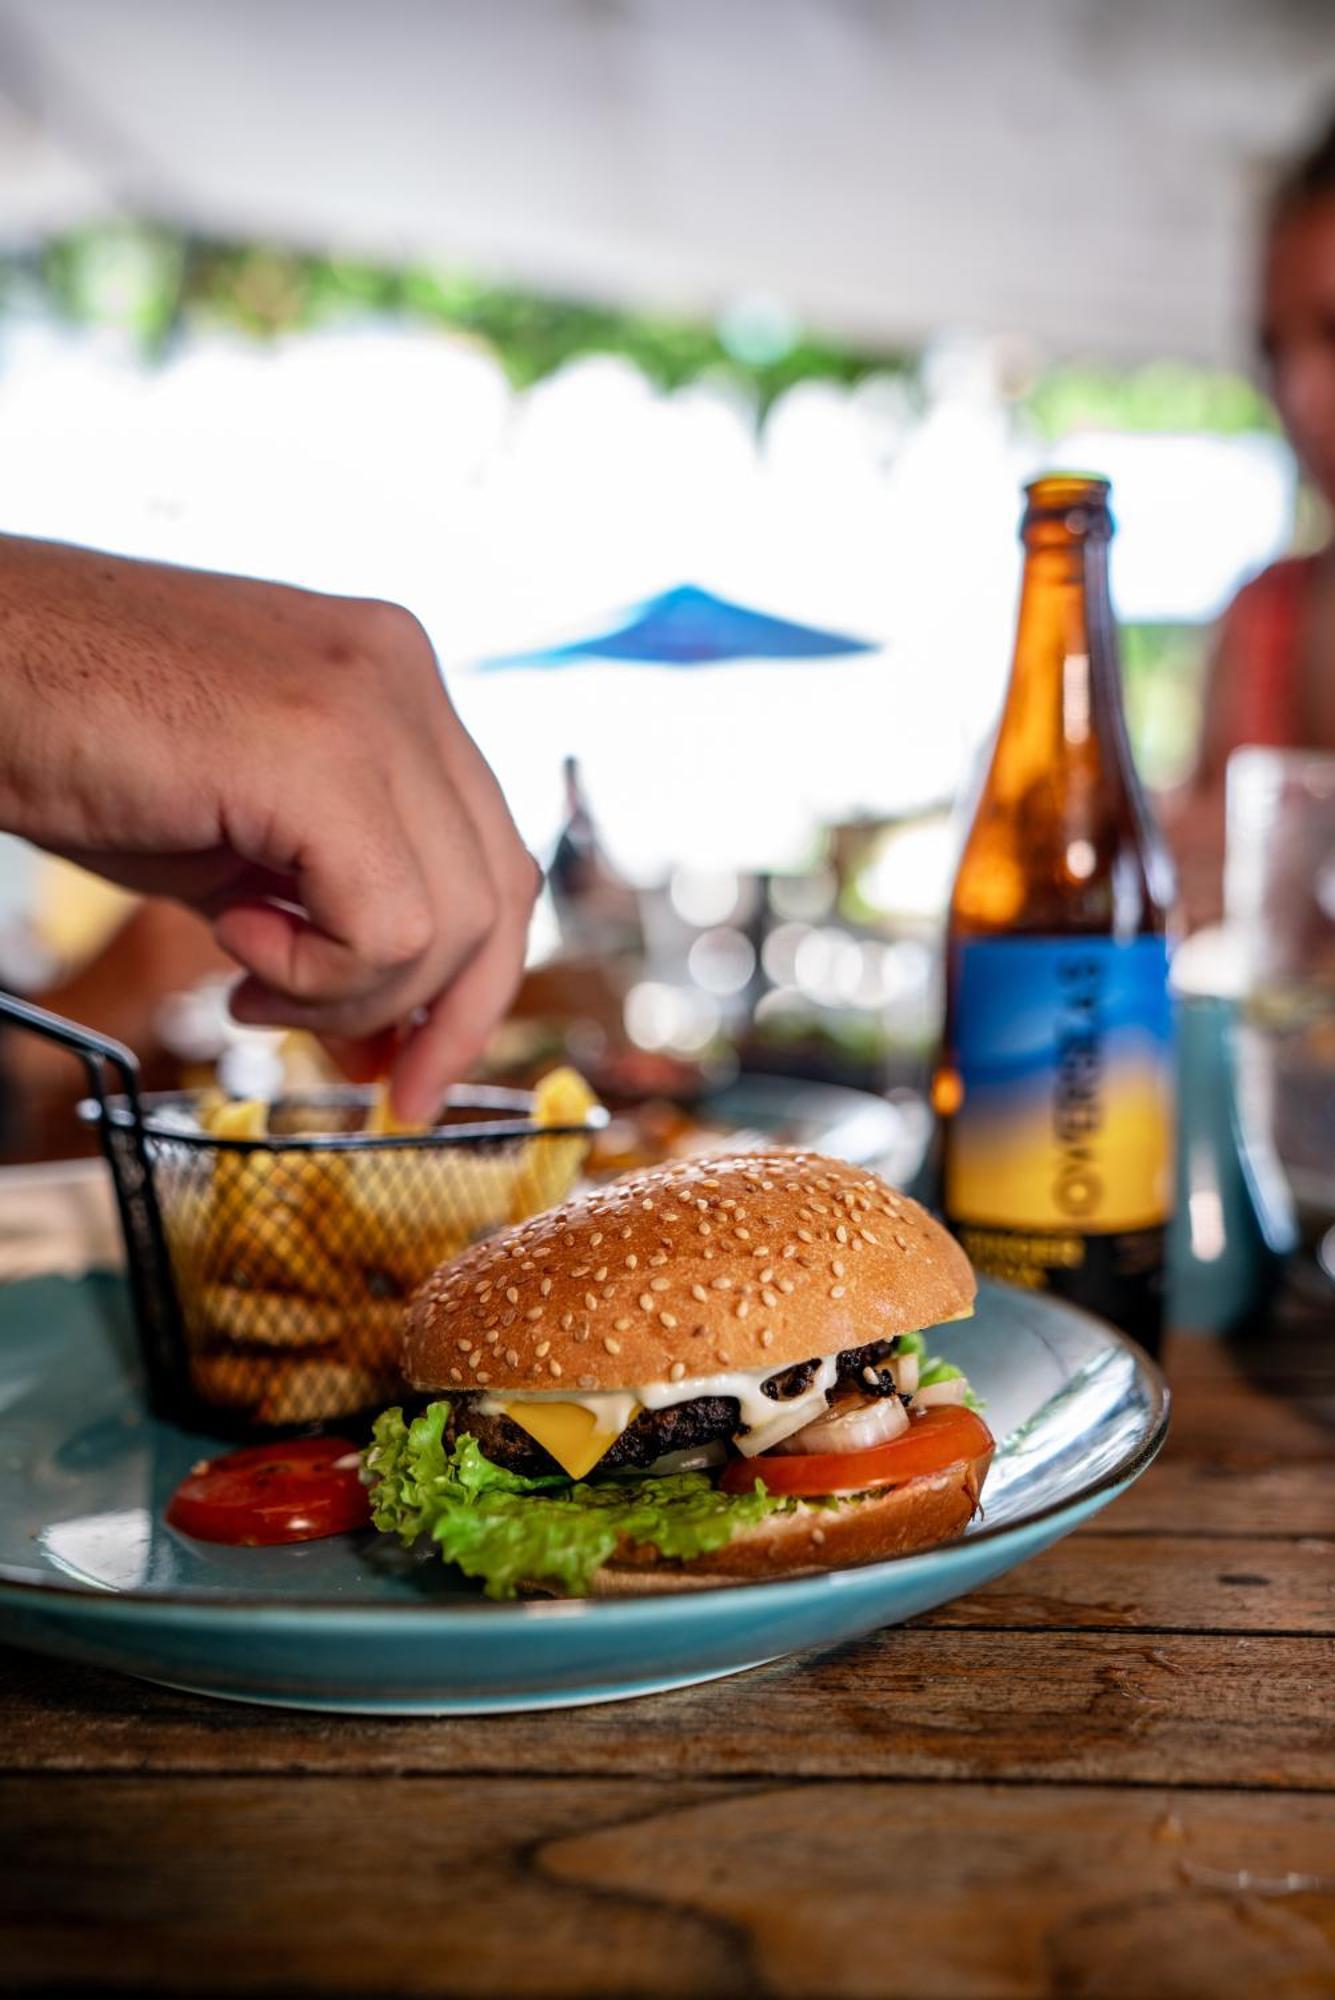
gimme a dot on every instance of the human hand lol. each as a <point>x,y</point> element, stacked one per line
<point>290,765</point>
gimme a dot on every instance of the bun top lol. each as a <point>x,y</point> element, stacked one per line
<point>748,1262</point>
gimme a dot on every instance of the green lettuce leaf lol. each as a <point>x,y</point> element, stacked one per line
<point>510,1530</point>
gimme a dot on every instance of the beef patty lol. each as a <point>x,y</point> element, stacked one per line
<point>682,1427</point>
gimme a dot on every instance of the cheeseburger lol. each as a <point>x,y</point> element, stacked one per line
<point>708,1370</point>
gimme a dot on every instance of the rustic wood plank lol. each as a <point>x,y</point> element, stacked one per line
<point>452,1885</point>
<point>1181,1496</point>
<point>1162,1582</point>
<point>916,1703</point>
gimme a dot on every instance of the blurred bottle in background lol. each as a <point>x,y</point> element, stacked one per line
<point>597,909</point>
<point>1054,1092</point>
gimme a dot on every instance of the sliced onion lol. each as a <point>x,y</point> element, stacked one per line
<point>851,1426</point>
<point>904,1368</point>
<point>955,1390</point>
<point>692,1458</point>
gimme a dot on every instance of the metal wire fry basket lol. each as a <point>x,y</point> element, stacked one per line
<point>269,1275</point>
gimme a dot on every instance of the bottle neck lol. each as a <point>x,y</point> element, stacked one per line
<point>1063,706</point>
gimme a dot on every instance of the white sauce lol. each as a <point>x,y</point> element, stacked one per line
<point>767,1421</point>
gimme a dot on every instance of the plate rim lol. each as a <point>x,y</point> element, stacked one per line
<point>651,1607</point>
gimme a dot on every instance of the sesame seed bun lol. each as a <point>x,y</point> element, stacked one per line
<point>752,1261</point>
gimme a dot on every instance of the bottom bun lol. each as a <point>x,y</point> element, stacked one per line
<point>839,1534</point>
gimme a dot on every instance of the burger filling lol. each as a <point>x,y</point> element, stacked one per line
<point>862,1393</point>
<point>542,1490</point>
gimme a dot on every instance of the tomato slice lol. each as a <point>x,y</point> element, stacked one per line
<point>935,1440</point>
<point>292,1492</point>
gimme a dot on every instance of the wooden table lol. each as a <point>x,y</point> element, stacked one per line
<point>1109,1774</point>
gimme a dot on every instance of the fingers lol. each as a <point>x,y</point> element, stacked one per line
<point>454,1034</point>
<point>410,891</point>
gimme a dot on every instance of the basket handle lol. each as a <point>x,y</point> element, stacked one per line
<point>147,1261</point>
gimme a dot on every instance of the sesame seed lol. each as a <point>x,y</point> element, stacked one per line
<point>721,1284</point>
<point>647,1205</point>
<point>456,1375</point>
<point>743,1308</point>
<point>837,1291</point>
<point>545,1287</point>
<point>591,1301</point>
<point>567,1321</point>
<point>600,1274</point>
<point>646,1302</point>
<point>512,1356</point>
<point>568,1240</point>
<point>581,1334</point>
<point>625,1234</point>
<point>512,1293</point>
<point>534,1312</point>
<point>767,1337</point>
<point>670,1215</point>
<point>659,1257</point>
<point>707,1253</point>
<point>580,1270</point>
<point>596,1238</point>
<point>482,1375</point>
<point>704,1228</point>
<point>770,1298</point>
<point>841,1234</point>
<point>742,1235</point>
<point>631,1260</point>
<point>658,1284</point>
<point>543,1347</point>
<point>465,1347</point>
<point>555,1366</point>
<point>612,1346</point>
<point>805,1236</point>
<point>790,1250</point>
<point>588,1381</point>
<point>901,1241</point>
<point>699,1292</point>
<point>676,1371</point>
<point>667,1319</point>
<point>767,1275</point>
<point>837,1268</point>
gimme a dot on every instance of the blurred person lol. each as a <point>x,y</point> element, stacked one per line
<point>1271,679</point>
<point>289,766</point>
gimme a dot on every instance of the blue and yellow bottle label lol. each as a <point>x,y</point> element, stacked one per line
<point>1063,1049</point>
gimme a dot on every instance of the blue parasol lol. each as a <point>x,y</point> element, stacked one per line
<point>689,627</point>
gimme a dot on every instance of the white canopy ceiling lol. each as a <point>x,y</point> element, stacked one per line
<point>1080,171</point>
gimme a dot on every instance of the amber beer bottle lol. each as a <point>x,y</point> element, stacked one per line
<point>1054,1093</point>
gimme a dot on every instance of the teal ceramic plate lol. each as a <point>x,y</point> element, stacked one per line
<point>89,1569</point>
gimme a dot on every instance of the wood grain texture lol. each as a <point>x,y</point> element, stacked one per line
<point>457,1885</point>
<point>909,1704</point>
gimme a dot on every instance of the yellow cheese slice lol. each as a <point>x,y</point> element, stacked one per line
<point>576,1437</point>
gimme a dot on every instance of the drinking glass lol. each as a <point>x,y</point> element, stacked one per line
<point>1279,891</point>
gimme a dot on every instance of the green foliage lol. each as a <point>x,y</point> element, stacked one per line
<point>1163,671</point>
<point>1160,396</point>
<point>154,283</point>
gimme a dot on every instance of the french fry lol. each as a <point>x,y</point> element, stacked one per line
<point>549,1168</point>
